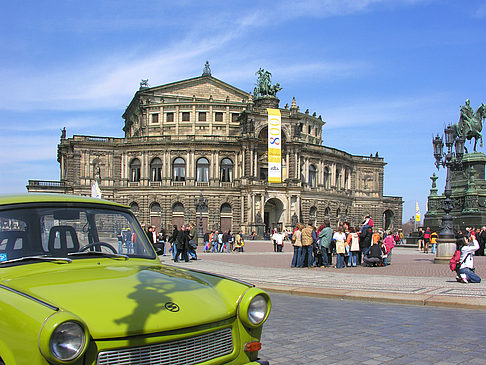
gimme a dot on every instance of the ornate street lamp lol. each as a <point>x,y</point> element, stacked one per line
<point>200,204</point>
<point>452,161</point>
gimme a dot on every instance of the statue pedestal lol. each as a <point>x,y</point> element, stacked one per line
<point>445,249</point>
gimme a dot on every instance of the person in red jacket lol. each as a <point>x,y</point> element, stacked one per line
<point>427,240</point>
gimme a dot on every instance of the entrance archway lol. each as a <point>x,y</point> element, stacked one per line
<point>388,219</point>
<point>273,214</point>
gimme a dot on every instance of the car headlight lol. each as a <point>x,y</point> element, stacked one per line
<point>254,307</point>
<point>257,310</point>
<point>67,341</point>
<point>63,338</point>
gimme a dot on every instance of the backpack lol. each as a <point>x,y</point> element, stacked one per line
<point>454,263</point>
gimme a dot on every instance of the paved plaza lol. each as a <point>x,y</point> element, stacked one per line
<point>412,278</point>
<point>309,330</point>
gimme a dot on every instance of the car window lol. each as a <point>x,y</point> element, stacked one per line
<point>61,231</point>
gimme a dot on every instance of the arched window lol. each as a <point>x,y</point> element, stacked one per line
<point>327,211</point>
<point>226,170</point>
<point>178,208</point>
<point>312,176</point>
<point>134,207</point>
<point>313,214</point>
<point>327,178</point>
<point>135,170</point>
<point>156,169</point>
<point>225,208</point>
<point>155,208</point>
<point>179,169</point>
<point>202,170</point>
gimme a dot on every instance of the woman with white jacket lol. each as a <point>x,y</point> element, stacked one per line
<point>465,273</point>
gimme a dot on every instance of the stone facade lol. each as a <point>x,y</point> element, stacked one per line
<point>204,136</point>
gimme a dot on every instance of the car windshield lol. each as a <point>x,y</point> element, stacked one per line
<point>30,234</point>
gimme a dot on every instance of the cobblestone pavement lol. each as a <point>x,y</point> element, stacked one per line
<point>307,330</point>
<point>412,278</point>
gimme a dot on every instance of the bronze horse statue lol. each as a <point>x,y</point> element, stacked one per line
<point>470,123</point>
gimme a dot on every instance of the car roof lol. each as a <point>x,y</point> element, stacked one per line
<point>53,198</point>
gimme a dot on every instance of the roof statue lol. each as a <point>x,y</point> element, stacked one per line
<point>264,86</point>
<point>471,123</point>
<point>144,84</point>
<point>207,69</point>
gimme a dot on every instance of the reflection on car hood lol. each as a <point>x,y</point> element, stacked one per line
<point>118,300</point>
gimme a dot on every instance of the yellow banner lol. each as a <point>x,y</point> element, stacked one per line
<point>274,146</point>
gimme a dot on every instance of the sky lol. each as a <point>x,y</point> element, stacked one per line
<point>386,75</point>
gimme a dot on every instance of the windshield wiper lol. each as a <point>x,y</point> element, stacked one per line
<point>40,258</point>
<point>99,253</point>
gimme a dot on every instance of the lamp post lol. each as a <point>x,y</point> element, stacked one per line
<point>451,160</point>
<point>200,204</point>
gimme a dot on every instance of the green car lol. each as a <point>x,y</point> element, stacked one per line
<point>81,284</point>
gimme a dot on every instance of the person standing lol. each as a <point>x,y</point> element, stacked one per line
<point>325,238</point>
<point>172,241</point>
<point>182,243</point>
<point>433,241</point>
<point>388,244</point>
<point>278,238</point>
<point>365,235</point>
<point>420,239</point>
<point>239,242</point>
<point>193,237</point>
<point>306,253</point>
<point>427,240</point>
<point>353,243</point>
<point>297,243</point>
<point>340,237</point>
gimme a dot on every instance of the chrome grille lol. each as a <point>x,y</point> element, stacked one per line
<point>192,350</point>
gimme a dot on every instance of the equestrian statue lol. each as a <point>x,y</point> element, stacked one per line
<point>471,123</point>
<point>264,86</point>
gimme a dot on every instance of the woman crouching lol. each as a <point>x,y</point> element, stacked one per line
<point>465,273</point>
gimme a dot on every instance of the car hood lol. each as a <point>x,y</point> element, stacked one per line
<point>118,300</point>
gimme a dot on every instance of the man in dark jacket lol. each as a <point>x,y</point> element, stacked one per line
<point>182,243</point>
<point>364,241</point>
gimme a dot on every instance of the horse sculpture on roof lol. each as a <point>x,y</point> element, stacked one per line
<point>264,86</point>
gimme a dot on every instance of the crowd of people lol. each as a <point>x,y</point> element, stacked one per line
<point>352,246</point>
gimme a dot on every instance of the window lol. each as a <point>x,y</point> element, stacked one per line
<point>225,208</point>
<point>134,207</point>
<point>135,170</point>
<point>179,169</point>
<point>202,170</point>
<point>226,170</point>
<point>263,173</point>
<point>327,177</point>
<point>155,208</point>
<point>309,129</point>
<point>202,116</point>
<point>156,169</point>
<point>312,176</point>
<point>169,117</point>
<point>234,117</point>
<point>186,116</point>
<point>218,117</point>
<point>155,118</point>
